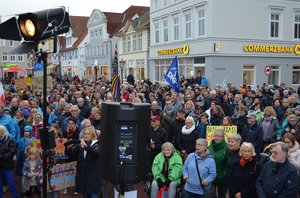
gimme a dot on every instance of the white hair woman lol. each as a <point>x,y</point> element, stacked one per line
<point>166,170</point>
<point>199,171</point>
<point>188,136</point>
<point>245,174</point>
<point>7,151</point>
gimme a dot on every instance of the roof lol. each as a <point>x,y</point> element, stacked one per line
<point>79,31</point>
<point>113,21</point>
<point>130,12</point>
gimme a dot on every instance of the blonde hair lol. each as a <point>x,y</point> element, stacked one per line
<point>33,151</point>
<point>247,145</point>
<point>271,110</point>
<point>92,132</point>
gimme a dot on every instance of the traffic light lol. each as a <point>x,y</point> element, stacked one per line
<point>37,26</point>
<point>69,67</point>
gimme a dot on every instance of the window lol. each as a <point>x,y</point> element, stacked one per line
<point>156,30</point>
<point>12,57</point>
<point>297,27</point>
<point>106,49</point>
<point>248,74</point>
<point>4,57</point>
<point>156,4</point>
<point>100,32</point>
<point>188,26</point>
<point>296,75</point>
<point>201,23</point>
<point>96,33</point>
<point>140,40</point>
<point>140,69</point>
<point>20,57</point>
<point>165,2</point>
<point>102,52</point>
<point>98,50</point>
<point>273,79</point>
<point>176,28</point>
<point>128,43</point>
<point>11,43</point>
<point>134,42</point>
<point>274,25</point>
<point>92,34</point>
<point>166,31</point>
<point>124,44</point>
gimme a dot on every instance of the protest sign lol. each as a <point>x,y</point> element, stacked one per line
<point>227,129</point>
<point>20,83</point>
<point>62,176</point>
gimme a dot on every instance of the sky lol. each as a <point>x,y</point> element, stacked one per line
<point>10,8</point>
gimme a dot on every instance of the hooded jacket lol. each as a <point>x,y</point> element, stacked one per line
<point>174,168</point>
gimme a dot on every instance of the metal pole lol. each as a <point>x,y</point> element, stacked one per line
<point>45,133</point>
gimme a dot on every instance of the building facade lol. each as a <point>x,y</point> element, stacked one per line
<point>72,52</point>
<point>9,60</point>
<point>234,40</point>
<point>133,45</point>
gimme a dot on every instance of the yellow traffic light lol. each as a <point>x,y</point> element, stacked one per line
<point>27,28</point>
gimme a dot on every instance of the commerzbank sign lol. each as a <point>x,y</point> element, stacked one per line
<point>172,51</point>
<point>252,48</point>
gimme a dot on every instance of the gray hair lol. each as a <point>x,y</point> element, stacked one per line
<point>202,141</point>
<point>6,134</point>
<point>84,122</point>
<point>247,145</point>
<point>191,119</point>
<point>168,145</point>
<point>236,137</point>
<point>282,145</point>
<point>220,131</point>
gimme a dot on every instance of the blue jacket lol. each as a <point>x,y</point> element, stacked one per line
<point>9,124</point>
<point>282,183</point>
<point>23,143</point>
<point>207,169</point>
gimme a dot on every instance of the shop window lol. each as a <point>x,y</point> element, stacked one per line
<point>274,76</point>
<point>248,74</point>
<point>296,75</point>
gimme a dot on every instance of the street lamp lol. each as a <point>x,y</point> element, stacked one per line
<point>122,65</point>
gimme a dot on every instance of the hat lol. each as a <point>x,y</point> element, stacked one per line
<point>251,114</point>
<point>7,109</point>
<point>28,128</point>
<point>155,118</point>
<point>297,108</point>
<point>181,111</point>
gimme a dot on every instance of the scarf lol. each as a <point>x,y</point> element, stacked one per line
<point>70,133</point>
<point>169,112</point>
<point>244,161</point>
<point>186,131</point>
<point>2,139</point>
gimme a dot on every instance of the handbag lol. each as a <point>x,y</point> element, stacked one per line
<point>208,193</point>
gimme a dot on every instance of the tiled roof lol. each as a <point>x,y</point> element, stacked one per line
<point>113,21</point>
<point>79,31</point>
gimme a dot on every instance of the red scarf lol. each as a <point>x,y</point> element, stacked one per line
<point>243,161</point>
<point>70,133</point>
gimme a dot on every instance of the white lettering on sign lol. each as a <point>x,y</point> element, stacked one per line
<point>172,77</point>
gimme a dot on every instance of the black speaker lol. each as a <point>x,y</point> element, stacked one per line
<point>47,139</point>
<point>125,142</point>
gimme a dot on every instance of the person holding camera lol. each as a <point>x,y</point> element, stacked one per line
<point>87,153</point>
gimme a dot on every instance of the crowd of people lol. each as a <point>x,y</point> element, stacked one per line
<point>180,153</point>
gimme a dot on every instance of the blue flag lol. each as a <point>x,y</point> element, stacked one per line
<point>172,76</point>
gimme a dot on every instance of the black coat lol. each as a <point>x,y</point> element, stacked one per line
<point>244,180</point>
<point>254,135</point>
<point>176,128</point>
<point>159,137</point>
<point>278,182</point>
<point>7,151</point>
<point>87,175</point>
<point>187,142</point>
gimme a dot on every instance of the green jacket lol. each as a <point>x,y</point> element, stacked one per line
<point>175,167</point>
<point>220,153</point>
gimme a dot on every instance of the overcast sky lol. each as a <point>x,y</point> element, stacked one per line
<point>9,8</point>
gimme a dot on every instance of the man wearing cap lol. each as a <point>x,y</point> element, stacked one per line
<point>252,132</point>
<point>158,136</point>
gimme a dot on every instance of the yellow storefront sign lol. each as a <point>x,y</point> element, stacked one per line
<point>171,51</point>
<point>249,48</point>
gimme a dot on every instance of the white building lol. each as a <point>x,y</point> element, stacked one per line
<point>233,39</point>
